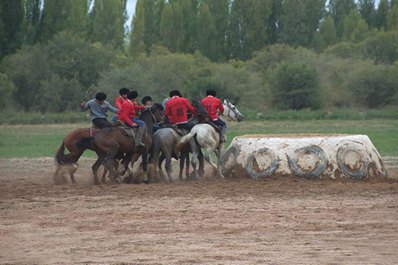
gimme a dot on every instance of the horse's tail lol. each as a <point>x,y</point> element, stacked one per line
<point>85,143</point>
<point>60,156</point>
<point>185,139</point>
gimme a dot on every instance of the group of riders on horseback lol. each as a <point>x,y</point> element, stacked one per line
<point>177,110</point>
<point>161,131</point>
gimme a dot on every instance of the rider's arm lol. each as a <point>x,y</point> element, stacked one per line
<point>111,108</point>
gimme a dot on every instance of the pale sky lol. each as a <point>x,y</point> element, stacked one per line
<point>130,11</point>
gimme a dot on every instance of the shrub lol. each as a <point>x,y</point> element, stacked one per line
<point>374,86</point>
<point>295,86</point>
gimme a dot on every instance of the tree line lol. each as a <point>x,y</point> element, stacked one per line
<point>261,53</point>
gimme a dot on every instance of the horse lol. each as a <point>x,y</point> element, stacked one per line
<point>165,141</point>
<point>67,163</point>
<point>207,136</point>
<point>149,116</point>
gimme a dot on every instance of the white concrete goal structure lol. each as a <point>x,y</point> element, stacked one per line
<point>303,155</point>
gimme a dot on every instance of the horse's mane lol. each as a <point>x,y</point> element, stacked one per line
<point>153,108</point>
<point>200,109</point>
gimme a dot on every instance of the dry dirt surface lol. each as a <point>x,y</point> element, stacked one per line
<point>211,221</point>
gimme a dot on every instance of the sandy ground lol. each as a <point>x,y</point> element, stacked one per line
<point>211,221</point>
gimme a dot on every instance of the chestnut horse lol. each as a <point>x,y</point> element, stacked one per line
<point>76,143</point>
<point>112,142</point>
<point>67,163</point>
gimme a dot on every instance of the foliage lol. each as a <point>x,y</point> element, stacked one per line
<point>26,69</point>
<point>6,90</point>
<point>11,21</point>
<point>295,86</point>
<point>374,86</point>
<point>236,47</point>
<point>382,47</point>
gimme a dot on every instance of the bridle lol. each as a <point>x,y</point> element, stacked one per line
<point>152,112</point>
<point>232,108</point>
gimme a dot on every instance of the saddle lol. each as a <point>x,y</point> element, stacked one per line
<point>179,131</point>
<point>214,126</point>
<point>127,131</point>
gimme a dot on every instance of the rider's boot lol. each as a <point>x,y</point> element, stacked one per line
<point>138,136</point>
<point>222,134</point>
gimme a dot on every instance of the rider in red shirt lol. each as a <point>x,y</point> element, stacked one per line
<point>213,106</point>
<point>127,115</point>
<point>176,110</point>
<point>121,98</point>
<point>119,101</point>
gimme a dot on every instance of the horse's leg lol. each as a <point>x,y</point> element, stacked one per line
<point>182,161</point>
<point>220,152</point>
<point>95,168</point>
<point>201,169</point>
<point>134,159</point>
<point>145,166</point>
<point>109,163</point>
<point>209,151</point>
<point>195,152</point>
<point>72,178</point>
<point>167,155</point>
<point>160,161</point>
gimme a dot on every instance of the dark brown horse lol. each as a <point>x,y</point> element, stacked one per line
<point>112,142</point>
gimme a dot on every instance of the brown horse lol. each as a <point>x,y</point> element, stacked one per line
<point>67,163</point>
<point>112,142</point>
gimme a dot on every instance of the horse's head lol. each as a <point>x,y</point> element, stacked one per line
<point>155,112</point>
<point>231,112</point>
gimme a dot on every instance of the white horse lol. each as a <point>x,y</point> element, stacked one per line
<point>209,138</point>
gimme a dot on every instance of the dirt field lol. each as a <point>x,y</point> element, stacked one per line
<point>212,221</point>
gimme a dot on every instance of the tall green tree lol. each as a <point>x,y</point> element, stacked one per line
<point>392,18</point>
<point>248,27</point>
<point>381,15</point>
<point>219,11</point>
<point>206,33</point>
<point>355,28</point>
<point>11,21</point>
<point>368,12</point>
<point>32,20</point>
<point>326,36</point>
<point>137,42</point>
<point>299,21</point>
<point>146,26</point>
<point>62,15</point>
<point>188,11</point>
<point>171,28</point>
<point>339,9</point>
<point>274,21</point>
<point>108,19</point>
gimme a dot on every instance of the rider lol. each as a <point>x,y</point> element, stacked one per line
<point>176,110</point>
<point>119,101</point>
<point>146,101</point>
<point>122,97</point>
<point>213,106</point>
<point>98,107</point>
<point>127,115</point>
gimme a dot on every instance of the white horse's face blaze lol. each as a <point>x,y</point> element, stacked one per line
<point>231,111</point>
